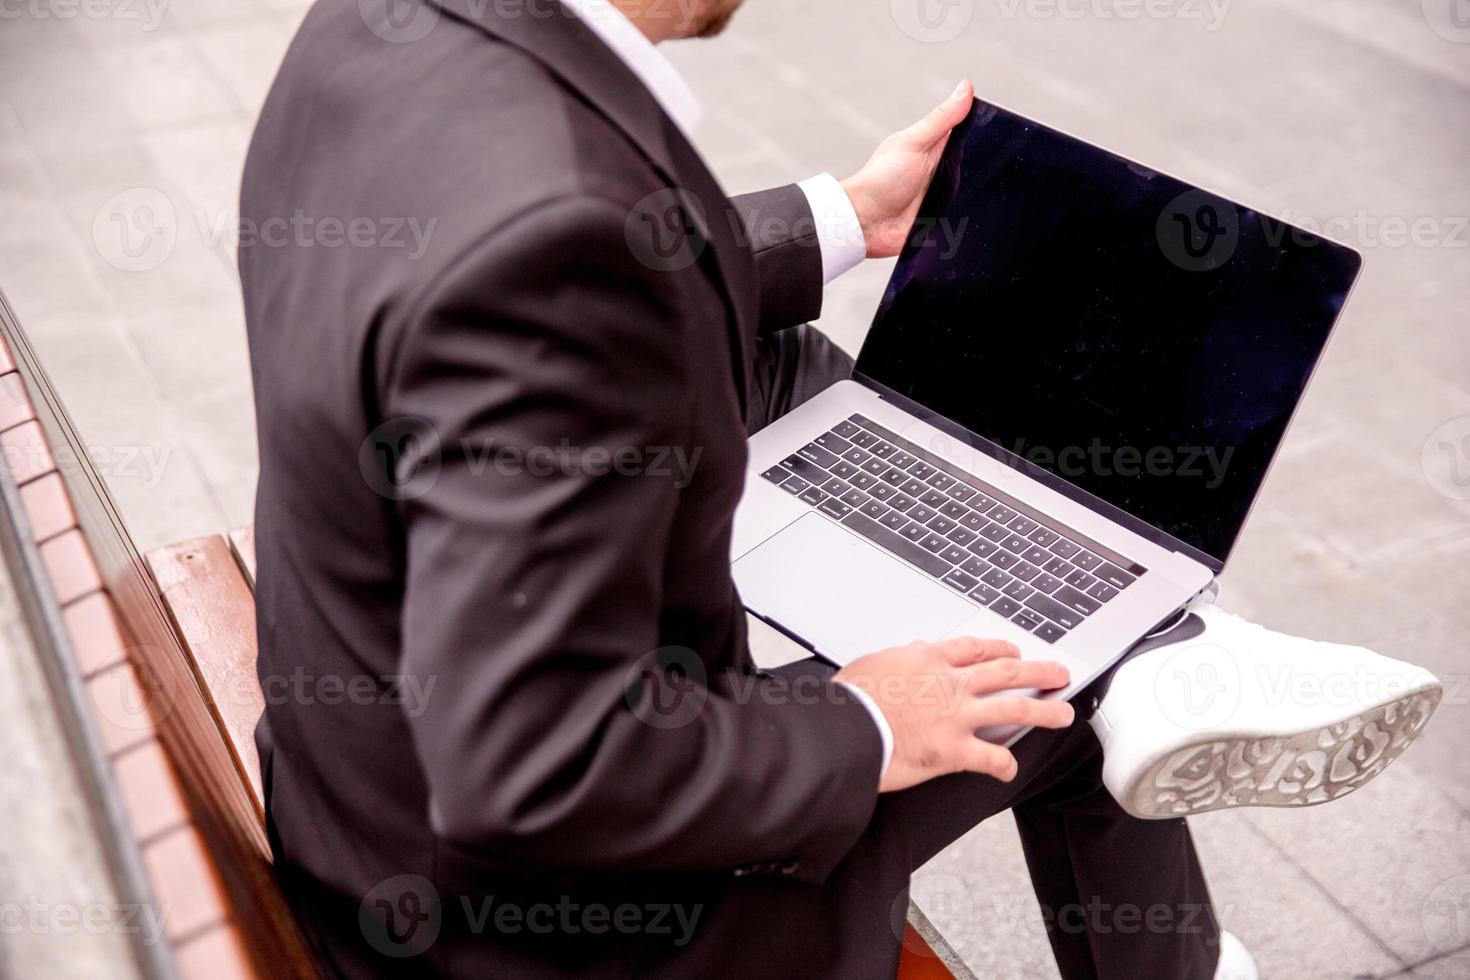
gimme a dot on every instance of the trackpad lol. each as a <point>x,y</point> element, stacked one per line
<point>842,594</point>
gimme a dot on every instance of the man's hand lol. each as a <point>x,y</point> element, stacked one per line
<point>887,191</point>
<point>932,695</point>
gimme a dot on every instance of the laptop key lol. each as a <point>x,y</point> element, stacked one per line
<point>1001,514</point>
<point>914,488</point>
<point>1102,592</point>
<point>982,547</point>
<point>882,449</point>
<point>941,525</point>
<point>795,486</point>
<point>1050,632</point>
<point>975,567</point>
<point>776,475</point>
<point>940,481</point>
<point>1080,580</point>
<point>994,532</point>
<point>1055,611</point>
<point>863,439</point>
<point>921,513</point>
<point>1006,606</point>
<point>854,498</point>
<point>1025,571</point>
<point>954,554</point>
<point>846,429</point>
<point>835,507</point>
<point>856,456</point>
<point>1004,559</point>
<point>933,498</point>
<point>921,470</point>
<point>806,469</point>
<point>1018,590</point>
<point>814,496</point>
<point>1087,560</point>
<point>1064,548</point>
<point>1069,596</point>
<point>959,580</point>
<point>962,535</point>
<point>836,487</point>
<point>962,491</point>
<point>984,594</point>
<point>996,579</point>
<point>973,521</point>
<point>1044,536</point>
<point>893,520</point>
<point>872,509</point>
<point>901,459</point>
<point>843,469</point>
<point>1027,620</point>
<point>833,443</point>
<point>863,480</point>
<point>899,546</point>
<point>1036,555</point>
<point>817,455</point>
<point>901,503</point>
<point>954,510</point>
<point>1016,543</point>
<point>913,530</point>
<point>933,542</point>
<point>881,490</point>
<point>875,466</point>
<point>982,503</point>
<point>893,477</point>
<point>1059,567</point>
<point>1046,583</point>
<point>1115,576</point>
<point>1022,525</point>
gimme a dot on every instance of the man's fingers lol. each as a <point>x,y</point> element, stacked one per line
<point>962,651</point>
<point>1024,712</point>
<point>938,121</point>
<point>985,757</point>
<point>1009,675</point>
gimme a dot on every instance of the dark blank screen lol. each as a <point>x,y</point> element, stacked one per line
<point>1144,341</point>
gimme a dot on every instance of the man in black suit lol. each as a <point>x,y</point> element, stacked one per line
<point>497,477</point>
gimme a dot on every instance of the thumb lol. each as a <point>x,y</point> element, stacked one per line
<point>938,121</point>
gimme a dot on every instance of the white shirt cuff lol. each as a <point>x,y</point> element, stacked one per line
<point>838,232</point>
<point>884,732</point>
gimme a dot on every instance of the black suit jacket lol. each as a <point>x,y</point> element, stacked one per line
<point>492,669</point>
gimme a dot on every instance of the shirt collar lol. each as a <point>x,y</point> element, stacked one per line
<point>656,72</point>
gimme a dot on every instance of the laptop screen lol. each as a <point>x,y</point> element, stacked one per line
<point>1142,340</point>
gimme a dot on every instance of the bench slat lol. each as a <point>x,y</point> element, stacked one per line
<point>242,543</point>
<point>214,611</point>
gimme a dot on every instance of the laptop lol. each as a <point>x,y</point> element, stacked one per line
<point>1069,398</point>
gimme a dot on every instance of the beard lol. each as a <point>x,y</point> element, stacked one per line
<point>714,17</point>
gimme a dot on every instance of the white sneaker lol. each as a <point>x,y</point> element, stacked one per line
<point>1222,713</point>
<point>1236,962</point>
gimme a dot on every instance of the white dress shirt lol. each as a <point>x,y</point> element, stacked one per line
<point>839,235</point>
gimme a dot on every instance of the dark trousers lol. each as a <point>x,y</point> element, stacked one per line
<point>1121,897</point>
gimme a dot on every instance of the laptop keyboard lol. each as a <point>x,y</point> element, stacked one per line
<point>956,528</point>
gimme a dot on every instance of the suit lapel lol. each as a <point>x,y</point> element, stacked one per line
<point>570,50</point>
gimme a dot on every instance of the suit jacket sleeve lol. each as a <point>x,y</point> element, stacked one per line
<point>533,600</point>
<point>788,255</point>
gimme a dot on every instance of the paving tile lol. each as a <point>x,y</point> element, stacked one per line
<point>1386,853</point>
<point>151,793</point>
<point>26,452</point>
<point>218,954</point>
<point>246,54</point>
<point>98,638</point>
<point>48,506</point>
<point>70,566</point>
<point>185,884</point>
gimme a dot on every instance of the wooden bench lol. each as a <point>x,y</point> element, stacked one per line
<point>164,652</point>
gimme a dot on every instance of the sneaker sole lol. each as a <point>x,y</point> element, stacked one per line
<point>1310,767</point>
